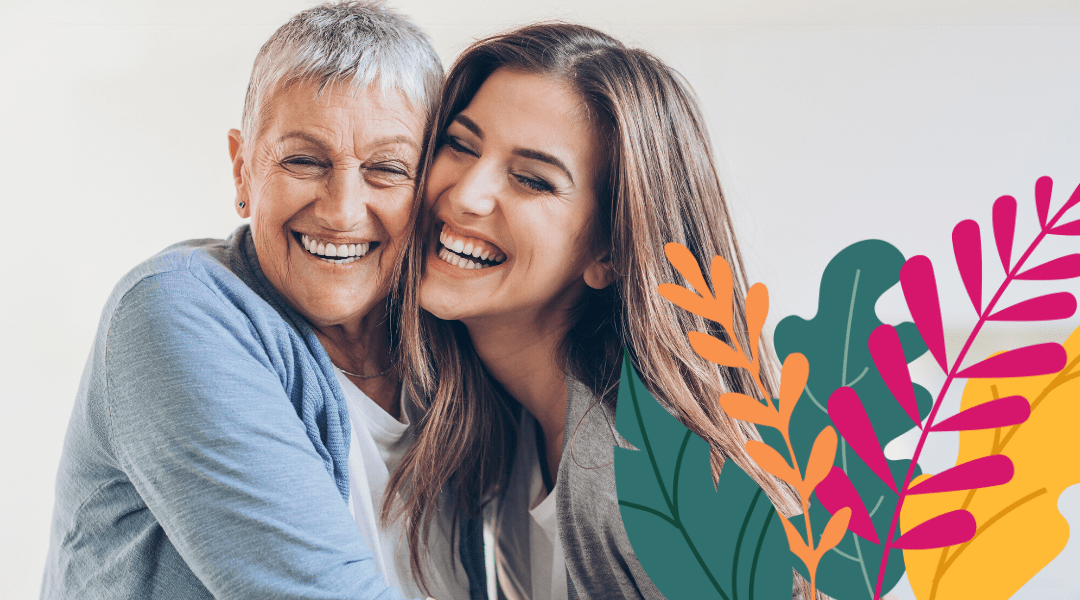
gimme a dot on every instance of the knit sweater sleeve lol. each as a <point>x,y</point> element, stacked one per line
<point>200,421</point>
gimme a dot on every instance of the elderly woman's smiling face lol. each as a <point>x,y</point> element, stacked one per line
<point>328,183</point>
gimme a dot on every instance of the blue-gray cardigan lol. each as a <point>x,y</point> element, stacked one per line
<point>206,456</point>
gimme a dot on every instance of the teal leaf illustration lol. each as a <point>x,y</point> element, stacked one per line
<point>835,342</point>
<point>693,540</point>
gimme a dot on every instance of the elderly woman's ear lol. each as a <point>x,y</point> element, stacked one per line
<point>236,146</point>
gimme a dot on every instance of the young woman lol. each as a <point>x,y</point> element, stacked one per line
<point>559,164</point>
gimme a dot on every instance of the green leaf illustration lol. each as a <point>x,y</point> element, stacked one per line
<point>693,540</point>
<point>835,344</point>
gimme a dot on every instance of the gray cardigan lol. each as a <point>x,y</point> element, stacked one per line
<point>600,562</point>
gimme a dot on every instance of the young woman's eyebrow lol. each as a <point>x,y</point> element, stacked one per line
<point>543,157</point>
<point>469,124</point>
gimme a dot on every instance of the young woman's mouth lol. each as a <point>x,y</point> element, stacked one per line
<point>467,252</point>
<point>334,252</point>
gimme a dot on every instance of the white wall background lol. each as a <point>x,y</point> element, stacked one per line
<point>834,120</point>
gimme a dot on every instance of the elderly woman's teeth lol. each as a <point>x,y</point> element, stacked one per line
<point>340,253</point>
<point>466,252</point>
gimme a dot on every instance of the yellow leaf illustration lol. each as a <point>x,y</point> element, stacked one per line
<point>1019,527</point>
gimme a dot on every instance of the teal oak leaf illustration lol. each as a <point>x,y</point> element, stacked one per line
<point>693,540</point>
<point>835,343</point>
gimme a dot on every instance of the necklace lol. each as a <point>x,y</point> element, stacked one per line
<point>385,371</point>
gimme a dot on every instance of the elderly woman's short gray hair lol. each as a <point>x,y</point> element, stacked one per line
<point>358,43</point>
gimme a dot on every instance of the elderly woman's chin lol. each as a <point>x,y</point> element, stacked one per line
<point>328,183</point>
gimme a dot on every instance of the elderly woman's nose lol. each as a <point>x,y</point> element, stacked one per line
<point>477,191</point>
<point>345,200</point>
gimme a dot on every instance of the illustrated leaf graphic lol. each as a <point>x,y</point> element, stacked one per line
<point>820,463</point>
<point>949,529</point>
<point>1038,359</point>
<point>835,530</point>
<point>920,292</point>
<point>1050,307</point>
<point>1003,412</point>
<point>979,473</point>
<point>1005,228</point>
<point>720,273</point>
<point>850,418</point>
<point>693,540</point>
<point>1070,228</point>
<point>716,350</point>
<point>1043,188</point>
<point>836,492</point>
<point>745,408</point>
<point>772,462</point>
<point>1065,267</point>
<point>757,308</point>
<point>835,344</point>
<point>888,356</point>
<point>1003,554</point>
<point>967,246</point>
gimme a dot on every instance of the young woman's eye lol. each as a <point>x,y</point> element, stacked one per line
<point>536,185</point>
<point>456,146</point>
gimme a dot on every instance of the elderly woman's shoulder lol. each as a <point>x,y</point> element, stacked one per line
<point>191,269</point>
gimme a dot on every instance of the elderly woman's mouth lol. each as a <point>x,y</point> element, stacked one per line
<point>468,252</point>
<point>336,253</point>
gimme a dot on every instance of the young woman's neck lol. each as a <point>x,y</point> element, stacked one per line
<point>527,361</point>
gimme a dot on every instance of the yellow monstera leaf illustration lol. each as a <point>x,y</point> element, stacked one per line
<point>1019,527</point>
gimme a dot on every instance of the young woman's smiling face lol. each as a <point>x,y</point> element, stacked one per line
<point>512,190</point>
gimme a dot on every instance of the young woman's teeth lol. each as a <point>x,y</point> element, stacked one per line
<point>340,254</point>
<point>466,252</point>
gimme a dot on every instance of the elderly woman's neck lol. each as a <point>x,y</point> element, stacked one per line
<point>361,349</point>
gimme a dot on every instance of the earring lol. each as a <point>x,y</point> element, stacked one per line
<point>241,204</point>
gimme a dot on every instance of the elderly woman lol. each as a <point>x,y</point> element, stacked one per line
<point>240,412</point>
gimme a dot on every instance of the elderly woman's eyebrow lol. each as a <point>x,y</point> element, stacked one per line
<point>389,140</point>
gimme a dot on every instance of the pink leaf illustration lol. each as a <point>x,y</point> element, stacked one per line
<point>849,416</point>
<point>949,529</point>
<point>920,292</point>
<point>1061,305</point>
<point>967,246</point>
<point>1043,188</point>
<point>1003,412</point>
<point>1040,359</point>
<point>888,357</point>
<point>1004,227</point>
<point>1072,200</point>
<point>1065,267</point>
<point>835,492</point>
<point>982,472</point>
<point>1070,228</point>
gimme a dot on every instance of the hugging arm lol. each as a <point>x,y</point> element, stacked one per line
<point>201,423</point>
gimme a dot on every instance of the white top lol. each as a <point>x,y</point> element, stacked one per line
<point>377,445</point>
<point>528,555</point>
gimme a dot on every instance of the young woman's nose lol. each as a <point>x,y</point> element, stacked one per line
<point>476,191</point>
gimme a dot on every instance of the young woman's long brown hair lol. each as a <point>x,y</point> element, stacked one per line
<point>658,184</point>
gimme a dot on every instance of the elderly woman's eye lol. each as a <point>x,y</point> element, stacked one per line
<point>388,171</point>
<point>302,164</point>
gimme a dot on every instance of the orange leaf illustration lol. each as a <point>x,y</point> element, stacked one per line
<point>745,408</point>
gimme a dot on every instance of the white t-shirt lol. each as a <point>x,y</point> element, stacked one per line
<point>528,555</point>
<point>377,445</point>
